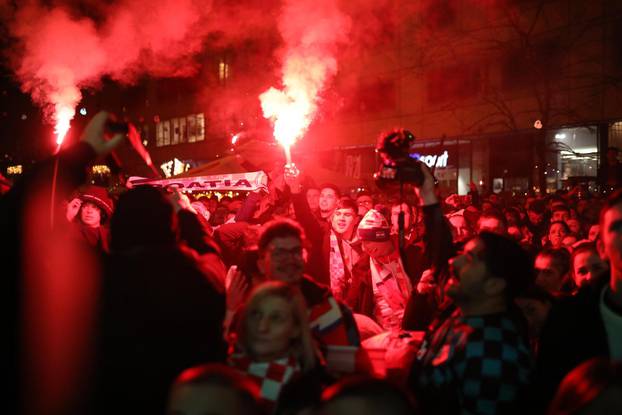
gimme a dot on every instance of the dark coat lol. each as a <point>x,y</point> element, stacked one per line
<point>573,333</point>
<point>32,191</point>
<point>98,238</point>
<point>160,314</point>
<point>318,237</point>
<point>422,308</point>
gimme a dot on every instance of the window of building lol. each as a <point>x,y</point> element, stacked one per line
<point>189,129</point>
<point>223,71</point>
<point>200,127</point>
<point>572,157</point>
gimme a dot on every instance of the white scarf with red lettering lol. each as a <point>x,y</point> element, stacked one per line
<point>392,288</point>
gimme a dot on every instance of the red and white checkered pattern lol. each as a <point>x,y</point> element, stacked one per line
<point>269,376</point>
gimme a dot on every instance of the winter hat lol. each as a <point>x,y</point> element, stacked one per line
<point>98,196</point>
<point>374,227</point>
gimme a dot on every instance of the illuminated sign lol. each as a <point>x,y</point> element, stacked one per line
<point>101,169</point>
<point>17,169</point>
<point>174,167</point>
<point>438,161</point>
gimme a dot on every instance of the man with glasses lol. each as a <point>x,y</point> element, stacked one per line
<point>364,202</point>
<point>281,257</point>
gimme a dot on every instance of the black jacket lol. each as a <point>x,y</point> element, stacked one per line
<point>29,200</point>
<point>160,314</point>
<point>573,333</point>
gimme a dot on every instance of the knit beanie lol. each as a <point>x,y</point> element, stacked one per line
<point>99,196</point>
<point>374,227</point>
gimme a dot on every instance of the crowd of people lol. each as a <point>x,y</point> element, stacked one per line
<point>302,300</point>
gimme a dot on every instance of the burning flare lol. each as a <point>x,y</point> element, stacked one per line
<point>63,117</point>
<point>311,30</point>
<point>292,109</point>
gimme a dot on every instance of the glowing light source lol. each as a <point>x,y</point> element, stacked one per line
<point>12,170</point>
<point>83,111</point>
<point>290,110</point>
<point>63,117</point>
<point>100,169</point>
<point>174,167</point>
<point>309,61</point>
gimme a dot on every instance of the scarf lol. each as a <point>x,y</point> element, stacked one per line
<point>392,288</point>
<point>269,376</point>
<point>341,260</point>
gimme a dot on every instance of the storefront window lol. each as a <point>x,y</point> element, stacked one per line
<point>511,162</point>
<point>443,158</point>
<point>572,157</point>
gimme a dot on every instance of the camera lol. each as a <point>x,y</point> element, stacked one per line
<point>398,164</point>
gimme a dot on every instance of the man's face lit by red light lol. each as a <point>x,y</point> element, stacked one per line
<point>459,229</point>
<point>560,216</point>
<point>365,203</point>
<point>534,217</point>
<point>557,233</point>
<point>490,224</point>
<point>548,276</point>
<point>343,220</point>
<point>611,236</point>
<point>90,214</point>
<point>587,265</point>
<point>283,259</point>
<point>469,274</point>
<point>313,198</point>
<point>328,200</point>
<point>574,225</point>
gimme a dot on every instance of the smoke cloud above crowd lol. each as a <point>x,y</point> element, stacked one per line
<point>60,48</point>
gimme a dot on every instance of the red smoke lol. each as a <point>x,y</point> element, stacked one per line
<point>59,52</point>
<point>312,31</point>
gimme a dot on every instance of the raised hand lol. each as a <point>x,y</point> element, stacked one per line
<point>237,288</point>
<point>426,191</point>
<point>95,135</point>
<point>291,175</point>
<point>73,207</point>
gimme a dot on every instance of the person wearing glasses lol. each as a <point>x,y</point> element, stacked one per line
<point>280,253</point>
<point>364,202</point>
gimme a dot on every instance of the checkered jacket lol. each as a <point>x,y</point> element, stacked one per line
<point>473,365</point>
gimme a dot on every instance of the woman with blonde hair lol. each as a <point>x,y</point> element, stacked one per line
<point>274,343</point>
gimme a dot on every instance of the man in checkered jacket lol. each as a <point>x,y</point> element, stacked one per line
<point>474,359</point>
